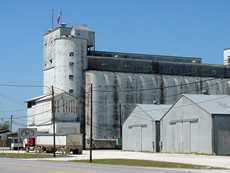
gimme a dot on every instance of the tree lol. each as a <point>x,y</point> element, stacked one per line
<point>4,125</point>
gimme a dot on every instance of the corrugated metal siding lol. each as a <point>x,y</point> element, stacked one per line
<point>186,128</point>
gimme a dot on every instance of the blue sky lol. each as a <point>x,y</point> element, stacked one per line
<point>179,27</point>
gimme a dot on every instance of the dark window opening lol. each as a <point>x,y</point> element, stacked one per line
<point>71,77</point>
<point>71,63</point>
<point>71,91</point>
<point>71,54</point>
<point>30,104</point>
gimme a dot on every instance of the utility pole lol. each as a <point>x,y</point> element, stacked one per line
<point>120,125</point>
<point>162,100</point>
<point>53,120</point>
<point>11,123</point>
<point>91,122</point>
<point>201,87</point>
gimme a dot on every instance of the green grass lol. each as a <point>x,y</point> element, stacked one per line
<point>26,155</point>
<point>146,163</point>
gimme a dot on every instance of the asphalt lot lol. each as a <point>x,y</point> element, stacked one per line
<point>34,166</point>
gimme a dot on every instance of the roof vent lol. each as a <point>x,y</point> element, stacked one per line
<point>63,25</point>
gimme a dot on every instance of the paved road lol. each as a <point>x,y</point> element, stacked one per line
<point>29,166</point>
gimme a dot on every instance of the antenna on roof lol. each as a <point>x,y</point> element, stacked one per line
<point>52,18</point>
<point>59,18</point>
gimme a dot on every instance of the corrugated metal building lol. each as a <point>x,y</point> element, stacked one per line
<point>197,124</point>
<point>66,114</point>
<point>141,131</point>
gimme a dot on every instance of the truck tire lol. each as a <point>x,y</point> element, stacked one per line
<point>76,151</point>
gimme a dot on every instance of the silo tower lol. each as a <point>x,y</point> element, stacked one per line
<point>65,58</point>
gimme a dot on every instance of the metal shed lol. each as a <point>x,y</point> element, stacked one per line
<point>197,124</point>
<point>141,131</point>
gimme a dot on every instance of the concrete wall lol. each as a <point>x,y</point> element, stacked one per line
<point>112,89</point>
<point>64,52</point>
<point>64,62</point>
<point>186,128</point>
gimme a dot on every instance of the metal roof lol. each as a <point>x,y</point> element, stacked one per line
<point>214,104</point>
<point>156,112</point>
<point>145,56</point>
<point>45,97</point>
<point>5,131</point>
<point>37,98</point>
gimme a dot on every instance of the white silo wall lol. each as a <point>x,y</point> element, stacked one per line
<point>98,105</point>
<point>109,104</point>
<point>126,89</point>
<point>49,59</point>
<point>170,92</point>
<point>67,65</point>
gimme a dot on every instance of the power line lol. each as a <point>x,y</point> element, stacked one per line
<point>166,96</point>
<point>33,115</point>
<point>12,110</point>
<point>22,85</point>
<point>156,88</point>
<point>165,109</point>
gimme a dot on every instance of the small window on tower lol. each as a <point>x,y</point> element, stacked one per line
<point>71,91</point>
<point>71,63</point>
<point>71,54</point>
<point>71,77</point>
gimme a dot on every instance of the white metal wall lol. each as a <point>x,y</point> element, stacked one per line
<point>186,128</point>
<point>39,114</point>
<point>67,112</point>
<point>138,132</point>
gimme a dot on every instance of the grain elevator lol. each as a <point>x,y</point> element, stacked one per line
<point>120,81</point>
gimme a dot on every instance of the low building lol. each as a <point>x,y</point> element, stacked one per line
<point>3,138</point>
<point>141,131</point>
<point>67,119</point>
<point>197,124</point>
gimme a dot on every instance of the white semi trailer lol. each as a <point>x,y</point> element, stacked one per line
<point>64,143</point>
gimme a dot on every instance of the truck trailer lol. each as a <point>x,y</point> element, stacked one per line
<point>64,143</point>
